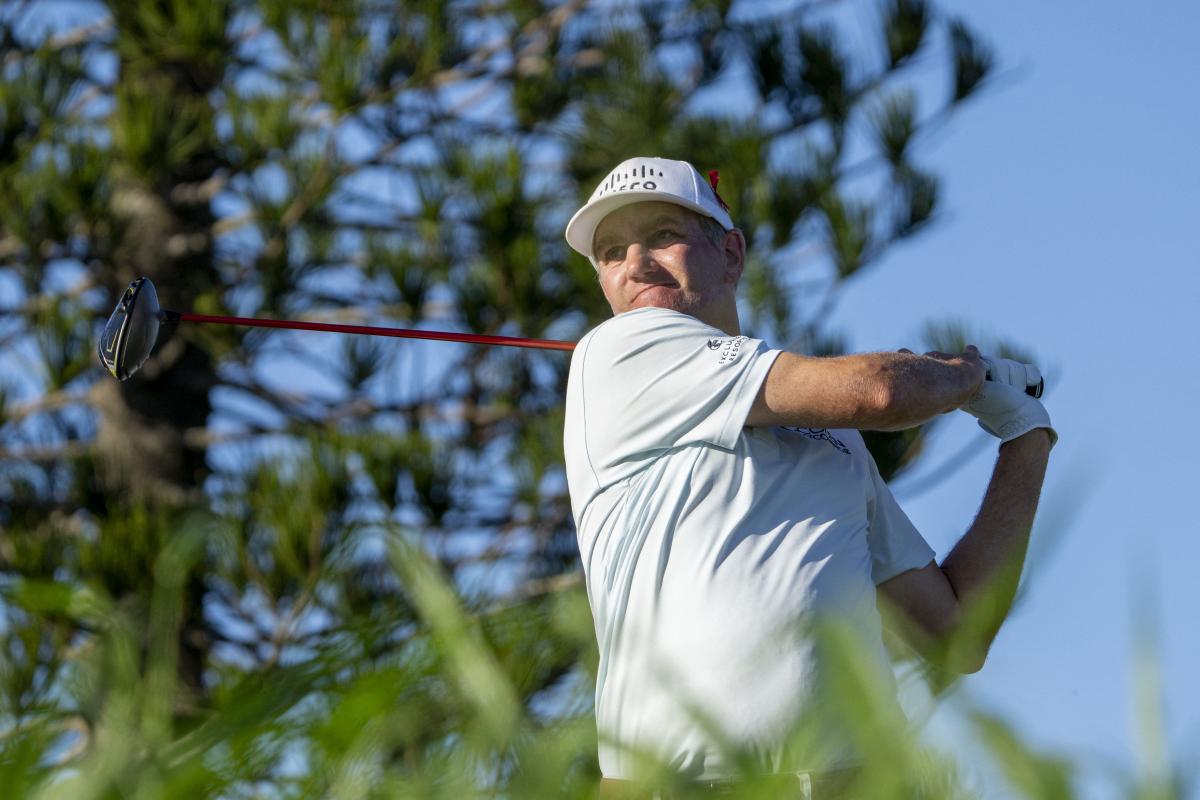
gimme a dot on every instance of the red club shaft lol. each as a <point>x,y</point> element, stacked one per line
<point>371,330</point>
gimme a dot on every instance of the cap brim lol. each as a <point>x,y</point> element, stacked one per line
<point>581,230</point>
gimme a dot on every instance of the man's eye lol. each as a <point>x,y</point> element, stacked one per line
<point>614,253</point>
<point>665,235</point>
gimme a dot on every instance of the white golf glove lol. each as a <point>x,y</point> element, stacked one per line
<point>1014,373</point>
<point>1002,407</point>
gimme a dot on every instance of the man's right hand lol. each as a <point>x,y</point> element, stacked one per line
<point>1006,412</point>
<point>1014,373</point>
<point>970,359</point>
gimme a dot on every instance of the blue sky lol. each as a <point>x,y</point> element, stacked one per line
<point>1070,188</point>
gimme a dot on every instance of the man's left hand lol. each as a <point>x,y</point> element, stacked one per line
<point>1006,412</point>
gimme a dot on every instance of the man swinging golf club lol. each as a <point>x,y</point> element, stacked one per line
<point>723,497</point>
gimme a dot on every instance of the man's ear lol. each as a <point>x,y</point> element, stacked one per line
<point>734,249</point>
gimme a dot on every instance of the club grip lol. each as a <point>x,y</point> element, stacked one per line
<point>1032,391</point>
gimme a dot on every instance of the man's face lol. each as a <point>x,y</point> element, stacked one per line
<point>657,254</point>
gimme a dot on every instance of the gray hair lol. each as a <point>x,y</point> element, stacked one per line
<point>712,230</point>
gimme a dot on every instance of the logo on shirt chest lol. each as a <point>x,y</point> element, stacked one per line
<point>821,435</point>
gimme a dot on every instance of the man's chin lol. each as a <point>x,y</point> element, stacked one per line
<point>659,297</point>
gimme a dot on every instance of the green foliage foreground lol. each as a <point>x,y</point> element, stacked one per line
<point>442,718</point>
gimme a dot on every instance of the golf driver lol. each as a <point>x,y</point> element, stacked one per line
<point>132,331</point>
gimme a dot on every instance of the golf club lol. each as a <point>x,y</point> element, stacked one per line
<point>132,331</point>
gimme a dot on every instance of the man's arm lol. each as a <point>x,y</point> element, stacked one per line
<point>871,391</point>
<point>953,612</point>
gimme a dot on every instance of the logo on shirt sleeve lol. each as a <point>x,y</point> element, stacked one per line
<point>730,348</point>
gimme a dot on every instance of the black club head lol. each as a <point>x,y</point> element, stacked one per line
<point>131,331</point>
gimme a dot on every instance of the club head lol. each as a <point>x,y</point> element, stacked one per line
<point>131,331</point>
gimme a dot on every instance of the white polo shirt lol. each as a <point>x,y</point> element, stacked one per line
<point>707,546</point>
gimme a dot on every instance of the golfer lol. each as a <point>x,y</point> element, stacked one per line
<point>725,502</point>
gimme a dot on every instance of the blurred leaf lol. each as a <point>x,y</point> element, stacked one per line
<point>972,60</point>
<point>918,201</point>
<point>472,663</point>
<point>953,336</point>
<point>895,123</point>
<point>824,74</point>
<point>769,61</point>
<point>362,358</point>
<point>905,23</point>
<point>895,451</point>
<point>848,232</point>
<point>1035,775</point>
<point>769,303</point>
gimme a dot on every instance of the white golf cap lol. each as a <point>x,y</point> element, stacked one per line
<point>639,180</point>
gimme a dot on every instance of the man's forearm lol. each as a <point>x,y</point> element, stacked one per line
<point>871,391</point>
<point>984,568</point>
<point>919,388</point>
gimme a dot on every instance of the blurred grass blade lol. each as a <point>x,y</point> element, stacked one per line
<point>459,639</point>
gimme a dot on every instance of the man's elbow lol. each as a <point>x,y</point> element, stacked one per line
<point>969,663</point>
<point>965,651</point>
<point>951,657</point>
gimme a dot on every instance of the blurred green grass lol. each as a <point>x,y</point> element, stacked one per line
<point>442,718</point>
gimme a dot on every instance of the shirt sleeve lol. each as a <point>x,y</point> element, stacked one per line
<point>895,543</point>
<point>655,379</point>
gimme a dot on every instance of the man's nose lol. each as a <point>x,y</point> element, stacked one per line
<point>638,260</point>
